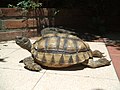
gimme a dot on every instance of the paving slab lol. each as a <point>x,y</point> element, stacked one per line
<point>69,82</point>
<point>15,77</point>
<point>18,79</point>
<point>8,45</point>
<point>12,57</point>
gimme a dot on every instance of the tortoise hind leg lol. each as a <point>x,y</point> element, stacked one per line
<point>94,64</point>
<point>30,64</point>
<point>97,53</point>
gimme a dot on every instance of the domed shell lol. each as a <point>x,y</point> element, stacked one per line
<point>60,50</point>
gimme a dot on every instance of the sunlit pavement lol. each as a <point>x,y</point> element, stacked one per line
<point>13,75</point>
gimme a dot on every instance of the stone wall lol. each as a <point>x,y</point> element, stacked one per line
<point>13,23</point>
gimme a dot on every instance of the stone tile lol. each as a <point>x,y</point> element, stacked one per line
<point>13,56</point>
<point>8,45</point>
<point>6,49</point>
<point>69,82</point>
<point>19,54</point>
<point>5,52</point>
<point>107,72</point>
<point>18,80</point>
<point>12,60</point>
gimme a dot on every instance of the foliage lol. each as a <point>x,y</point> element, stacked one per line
<point>26,5</point>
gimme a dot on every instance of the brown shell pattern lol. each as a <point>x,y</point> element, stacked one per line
<point>60,50</point>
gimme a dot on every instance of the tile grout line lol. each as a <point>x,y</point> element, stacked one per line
<point>38,80</point>
<point>82,76</point>
<point>12,51</point>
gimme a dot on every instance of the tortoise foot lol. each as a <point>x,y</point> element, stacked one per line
<point>30,64</point>
<point>103,61</point>
<point>98,54</point>
<point>99,63</point>
<point>33,67</point>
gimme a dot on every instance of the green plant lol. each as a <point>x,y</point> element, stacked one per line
<point>26,5</point>
<point>37,11</point>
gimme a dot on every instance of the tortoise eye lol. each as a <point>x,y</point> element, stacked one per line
<point>25,40</point>
<point>19,37</point>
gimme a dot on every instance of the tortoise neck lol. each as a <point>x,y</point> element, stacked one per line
<point>29,47</point>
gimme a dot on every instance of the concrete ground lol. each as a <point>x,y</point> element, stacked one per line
<point>13,76</point>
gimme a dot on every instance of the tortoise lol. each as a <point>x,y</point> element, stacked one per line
<point>58,50</point>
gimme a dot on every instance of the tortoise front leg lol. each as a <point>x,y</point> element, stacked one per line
<point>94,64</point>
<point>30,64</point>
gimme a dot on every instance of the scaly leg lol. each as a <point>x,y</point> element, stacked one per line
<point>30,64</point>
<point>94,64</point>
<point>97,53</point>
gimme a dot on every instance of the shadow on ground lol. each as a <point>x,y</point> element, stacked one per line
<point>112,39</point>
<point>70,68</point>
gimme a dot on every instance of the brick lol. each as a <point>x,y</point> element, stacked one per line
<point>7,12</point>
<point>10,12</point>
<point>17,23</point>
<point>4,36</point>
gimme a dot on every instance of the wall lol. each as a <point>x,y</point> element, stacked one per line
<point>79,19</point>
<point>13,23</point>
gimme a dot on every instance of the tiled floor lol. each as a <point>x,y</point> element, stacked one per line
<point>13,76</point>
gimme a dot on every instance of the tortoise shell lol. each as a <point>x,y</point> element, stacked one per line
<point>60,50</point>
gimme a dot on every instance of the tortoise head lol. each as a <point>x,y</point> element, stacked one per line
<point>23,42</point>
